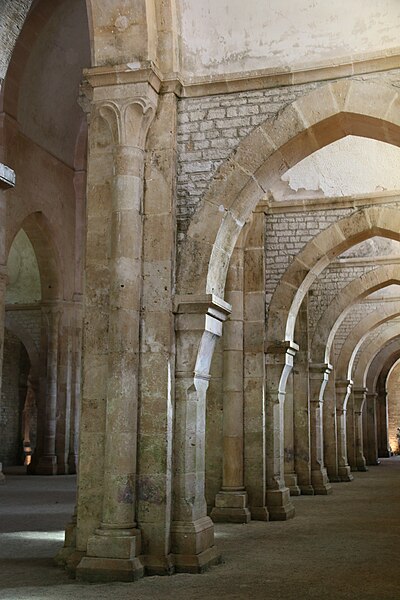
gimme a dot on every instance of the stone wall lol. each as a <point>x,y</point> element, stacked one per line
<point>29,320</point>
<point>211,127</point>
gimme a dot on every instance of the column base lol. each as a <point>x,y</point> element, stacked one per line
<point>291,483</point>
<point>345,473</point>
<point>279,505</point>
<point>307,490</point>
<point>46,465</point>
<point>320,482</point>
<point>69,559</point>
<point>197,563</point>
<point>72,464</point>
<point>333,473</point>
<point>2,476</point>
<point>259,513</point>
<point>159,565</point>
<point>103,570</point>
<point>231,507</point>
<point>192,545</point>
<point>112,555</point>
<point>362,468</point>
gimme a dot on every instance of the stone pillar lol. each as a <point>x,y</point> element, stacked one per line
<point>301,404</point>
<point>157,344</point>
<point>279,363</point>
<point>7,180</point>
<point>231,501</point>
<point>64,391</point>
<point>359,403</point>
<point>75,387</point>
<point>125,112</point>
<point>350,433</point>
<point>254,368</point>
<point>289,448</point>
<point>198,325</point>
<point>330,430</point>
<point>381,407</point>
<point>45,462</point>
<point>319,374</point>
<point>343,390</point>
<point>372,447</point>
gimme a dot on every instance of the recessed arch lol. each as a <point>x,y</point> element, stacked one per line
<point>381,365</point>
<point>342,304</point>
<point>368,354</point>
<point>357,336</point>
<point>313,121</point>
<point>39,232</point>
<point>27,341</point>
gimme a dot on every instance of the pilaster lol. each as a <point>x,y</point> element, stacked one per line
<point>198,325</point>
<point>330,430</point>
<point>343,391</point>
<point>45,459</point>
<point>231,501</point>
<point>359,403</point>
<point>319,374</point>
<point>372,446</point>
<point>279,363</point>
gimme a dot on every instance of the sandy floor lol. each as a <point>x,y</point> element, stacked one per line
<point>345,546</point>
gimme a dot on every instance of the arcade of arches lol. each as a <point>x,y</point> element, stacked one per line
<point>199,263</point>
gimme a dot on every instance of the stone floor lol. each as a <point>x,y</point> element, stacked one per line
<point>344,546</point>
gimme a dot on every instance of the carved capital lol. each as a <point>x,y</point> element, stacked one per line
<point>129,119</point>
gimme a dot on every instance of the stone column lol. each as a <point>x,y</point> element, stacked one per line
<point>231,501</point>
<point>350,433</point>
<point>343,390</point>
<point>254,368</point>
<point>157,343</point>
<point>64,391</point>
<point>127,111</point>
<point>359,403</point>
<point>279,363</point>
<point>319,374</point>
<point>7,180</point>
<point>330,430</point>
<point>45,462</point>
<point>301,403</point>
<point>381,407</point>
<point>198,325</point>
<point>289,448</point>
<point>75,387</point>
<point>372,446</point>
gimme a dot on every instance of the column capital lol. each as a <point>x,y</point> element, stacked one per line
<point>360,390</point>
<point>188,306</point>
<point>115,75</point>
<point>281,348</point>
<point>320,369</point>
<point>128,118</point>
<point>344,384</point>
<point>127,104</point>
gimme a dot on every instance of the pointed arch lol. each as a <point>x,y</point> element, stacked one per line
<point>368,354</point>
<point>343,302</point>
<point>39,232</point>
<point>357,336</point>
<point>333,111</point>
